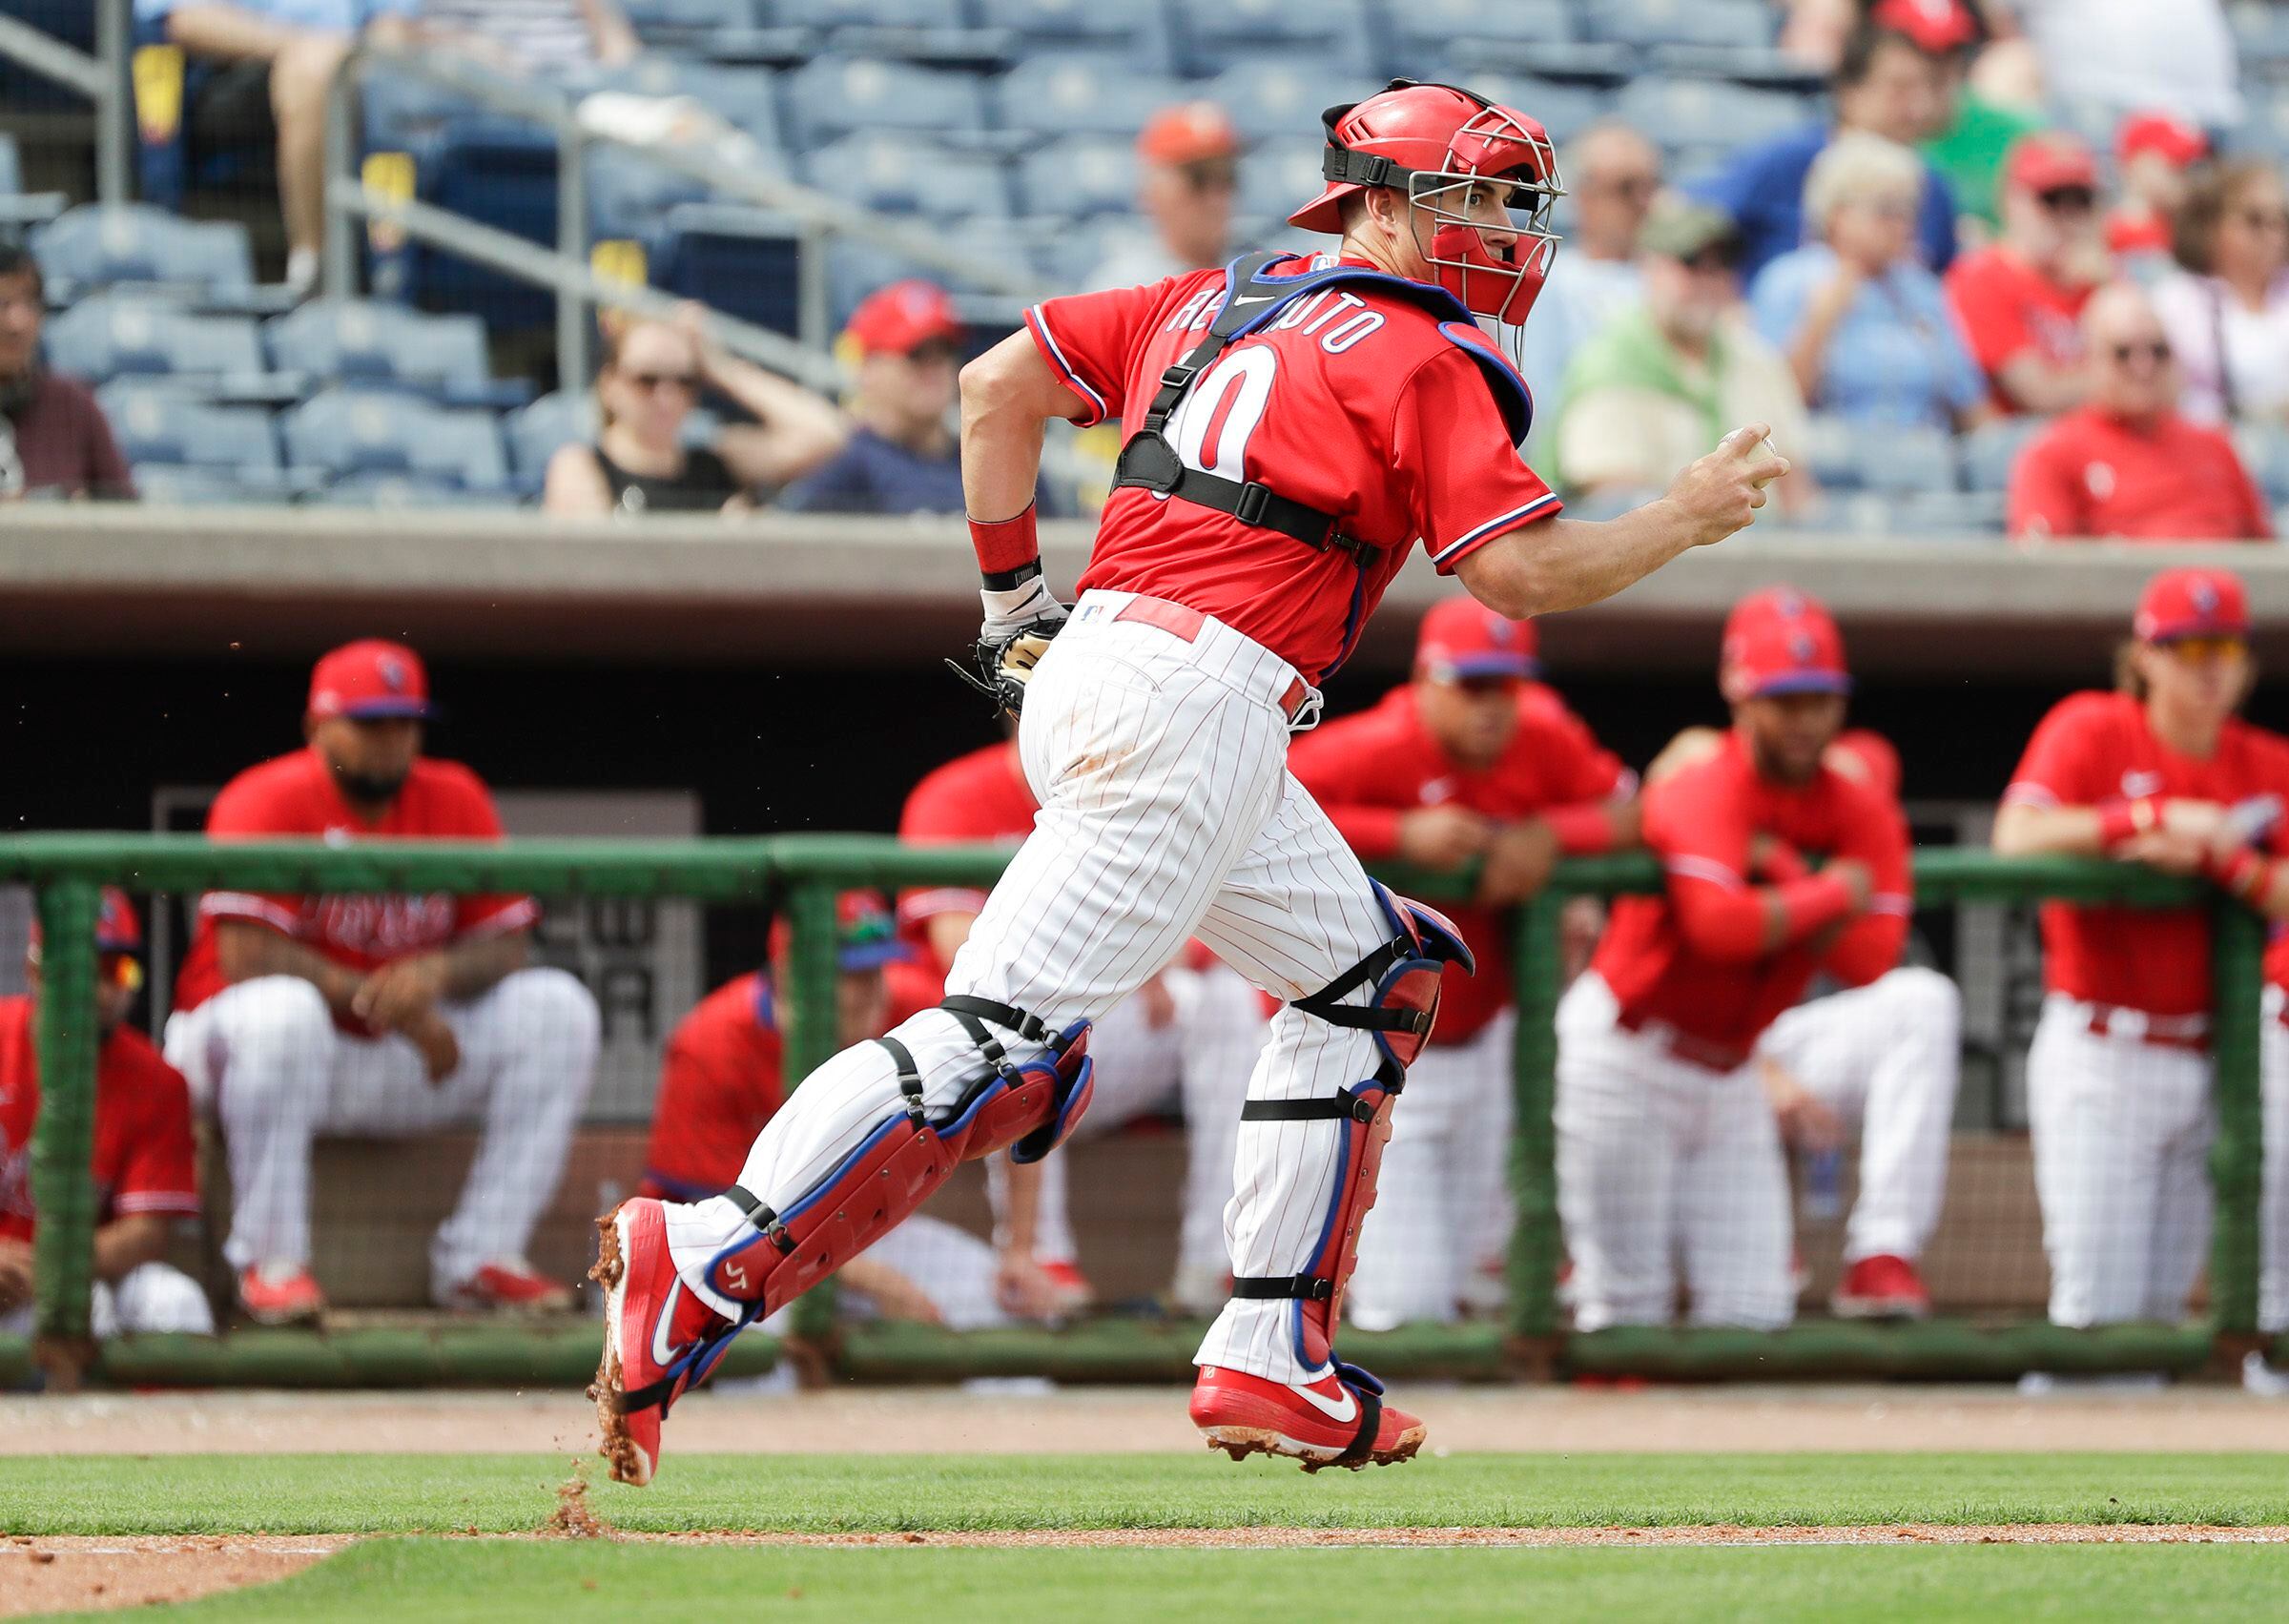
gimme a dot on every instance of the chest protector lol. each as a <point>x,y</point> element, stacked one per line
<point>1252,300</point>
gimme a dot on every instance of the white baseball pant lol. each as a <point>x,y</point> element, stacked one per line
<point>1166,814</point>
<point>1887,1058</point>
<point>1659,1158</point>
<point>266,1056</point>
<point>149,1299</point>
<point>2273,1281</point>
<point>2121,1131</point>
<point>953,1268</point>
<point>1198,1061</point>
<point>1440,1207</point>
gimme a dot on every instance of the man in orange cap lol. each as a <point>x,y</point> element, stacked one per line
<point>1188,159</point>
<point>900,457</point>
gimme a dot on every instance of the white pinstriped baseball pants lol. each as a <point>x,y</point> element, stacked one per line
<point>1167,813</point>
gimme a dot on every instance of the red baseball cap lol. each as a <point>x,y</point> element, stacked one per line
<point>1191,132</point>
<point>2044,161</point>
<point>2179,142</point>
<point>369,680</point>
<point>866,933</point>
<point>1937,26</point>
<point>117,929</point>
<point>1780,641</point>
<point>1462,637</point>
<point>2192,603</point>
<point>900,318</point>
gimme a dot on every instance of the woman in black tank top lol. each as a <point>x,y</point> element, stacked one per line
<point>652,377</point>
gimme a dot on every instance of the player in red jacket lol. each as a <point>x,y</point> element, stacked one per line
<point>1472,759</point>
<point>378,1015</point>
<point>1667,1145</point>
<point>1297,426</point>
<point>145,1164</point>
<point>2160,772</point>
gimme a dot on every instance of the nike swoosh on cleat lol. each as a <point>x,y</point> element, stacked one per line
<point>1347,1410</point>
<point>662,1352</point>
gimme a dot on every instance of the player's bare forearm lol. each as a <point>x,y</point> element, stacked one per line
<point>2027,831</point>
<point>1007,394</point>
<point>129,1243</point>
<point>947,931</point>
<point>248,951</point>
<point>477,964</point>
<point>1022,1208</point>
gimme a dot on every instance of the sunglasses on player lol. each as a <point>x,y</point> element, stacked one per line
<point>2156,351</point>
<point>122,970</point>
<point>2206,650</point>
<point>1487,685</point>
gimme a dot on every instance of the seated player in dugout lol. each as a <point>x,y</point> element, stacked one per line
<point>1667,1146</point>
<point>145,1161</point>
<point>723,1076</point>
<point>296,1016</point>
<point>1884,1059</point>
<point>1186,1039</point>
<point>2161,773</point>
<point>1474,760</point>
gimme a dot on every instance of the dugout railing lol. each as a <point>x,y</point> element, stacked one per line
<point>800,876</point>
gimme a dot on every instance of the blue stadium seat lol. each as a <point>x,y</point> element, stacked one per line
<point>363,431</point>
<point>1888,459</point>
<point>565,417</point>
<point>162,484</point>
<point>2265,453</point>
<point>159,426</point>
<point>856,269</point>
<point>835,95</point>
<point>1706,112</point>
<point>1278,177</point>
<point>1949,512</point>
<point>744,261</point>
<point>686,22</point>
<point>2261,34</point>
<point>1068,92</point>
<point>17,206</point>
<point>745,97</point>
<point>923,30</point>
<point>1427,34</point>
<point>1269,99</point>
<point>112,335</point>
<point>98,245</point>
<point>1685,22</point>
<point>1565,111</point>
<point>367,341</point>
<point>391,490</point>
<point>1138,34</point>
<point>1085,178</point>
<point>630,196</point>
<point>1212,35</point>
<point>1990,450</point>
<point>902,175</point>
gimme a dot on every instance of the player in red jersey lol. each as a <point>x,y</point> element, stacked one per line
<point>1472,759</point>
<point>1297,426</point>
<point>145,1164</point>
<point>1667,1144</point>
<point>1186,1038</point>
<point>378,1015</point>
<point>2161,773</point>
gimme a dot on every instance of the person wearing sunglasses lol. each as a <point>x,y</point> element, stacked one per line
<point>2160,772</point>
<point>2226,309</point>
<point>145,1160</point>
<point>652,376</point>
<point>2128,463</point>
<point>2020,298</point>
<point>1188,181</point>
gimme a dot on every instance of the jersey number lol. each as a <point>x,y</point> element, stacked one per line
<point>1210,429</point>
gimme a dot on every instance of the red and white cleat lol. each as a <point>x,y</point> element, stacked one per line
<point>657,1336</point>
<point>508,1286</point>
<point>1881,1287</point>
<point>1067,1285</point>
<point>279,1294</point>
<point>1339,1420</point>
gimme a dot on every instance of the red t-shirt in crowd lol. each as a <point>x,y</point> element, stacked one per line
<point>1353,403</point>
<point>983,798</point>
<point>296,795</point>
<point>721,1079</point>
<point>2097,746</point>
<point>2131,232</point>
<point>1368,771</point>
<point>2089,474</point>
<point>144,1157</point>
<point>2008,308</point>
<point>1701,821</point>
<point>64,442</point>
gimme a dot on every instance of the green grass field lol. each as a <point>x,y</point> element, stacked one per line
<point>437,1580</point>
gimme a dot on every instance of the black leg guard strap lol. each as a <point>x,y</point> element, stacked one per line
<point>1265,1287</point>
<point>1006,1016</point>
<point>761,1217</point>
<point>910,1078</point>
<point>1350,1105</point>
<point>1370,1418</point>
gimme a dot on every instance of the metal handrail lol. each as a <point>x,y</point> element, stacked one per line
<point>102,78</point>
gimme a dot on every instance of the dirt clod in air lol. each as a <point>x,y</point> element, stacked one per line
<point>573,1518</point>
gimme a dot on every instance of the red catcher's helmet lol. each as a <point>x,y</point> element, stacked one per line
<point>1435,142</point>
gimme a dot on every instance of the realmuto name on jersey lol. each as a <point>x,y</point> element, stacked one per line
<point>380,927</point>
<point>1336,318</point>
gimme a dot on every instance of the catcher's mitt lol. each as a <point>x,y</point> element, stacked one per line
<point>1006,660</point>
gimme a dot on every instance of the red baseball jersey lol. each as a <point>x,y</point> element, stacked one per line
<point>2008,309</point>
<point>1370,770</point>
<point>144,1158</point>
<point>296,795</point>
<point>1700,822</point>
<point>721,1079</point>
<point>1352,400</point>
<point>982,797</point>
<point>2089,474</point>
<point>2097,746</point>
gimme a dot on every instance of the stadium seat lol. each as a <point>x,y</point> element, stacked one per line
<point>1990,450</point>
<point>2265,453</point>
<point>1949,512</point>
<point>1880,457</point>
<point>1684,22</point>
<point>2261,35</point>
<point>405,490</point>
<point>744,261</point>
<point>902,175</point>
<point>101,245</point>
<point>1269,99</point>
<point>565,417</point>
<point>837,95</point>
<point>630,196</point>
<point>161,426</point>
<point>18,207</point>
<point>110,334</point>
<point>1068,93</point>
<point>745,97</point>
<point>679,22</point>
<point>160,484</point>
<point>856,269</point>
<point>1078,179</point>
<point>360,431</point>
<point>1212,35</point>
<point>1429,38</point>
<point>1277,177</point>
<point>923,30</point>
<point>366,341</point>
<point>1565,111</point>
<point>1138,34</point>
<point>1706,112</point>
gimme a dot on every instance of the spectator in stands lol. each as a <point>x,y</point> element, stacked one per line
<point>902,457</point>
<point>2153,153</point>
<point>1613,174</point>
<point>650,379</point>
<point>301,1015</point>
<point>2020,300</point>
<point>1866,326</point>
<point>1188,176</point>
<point>145,1166</point>
<point>278,59</point>
<point>1886,84</point>
<point>53,437</point>
<point>545,38</point>
<point>1661,381</point>
<point>1970,149</point>
<point>2126,465</point>
<point>2227,309</point>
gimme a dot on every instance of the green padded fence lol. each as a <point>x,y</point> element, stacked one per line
<point>802,874</point>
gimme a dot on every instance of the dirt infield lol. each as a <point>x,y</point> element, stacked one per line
<point>1105,1420</point>
<point>57,1575</point>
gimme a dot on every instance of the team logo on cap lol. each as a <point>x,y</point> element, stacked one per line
<point>393,672</point>
<point>1801,648</point>
<point>1498,631</point>
<point>2204,593</point>
<point>1788,604</point>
